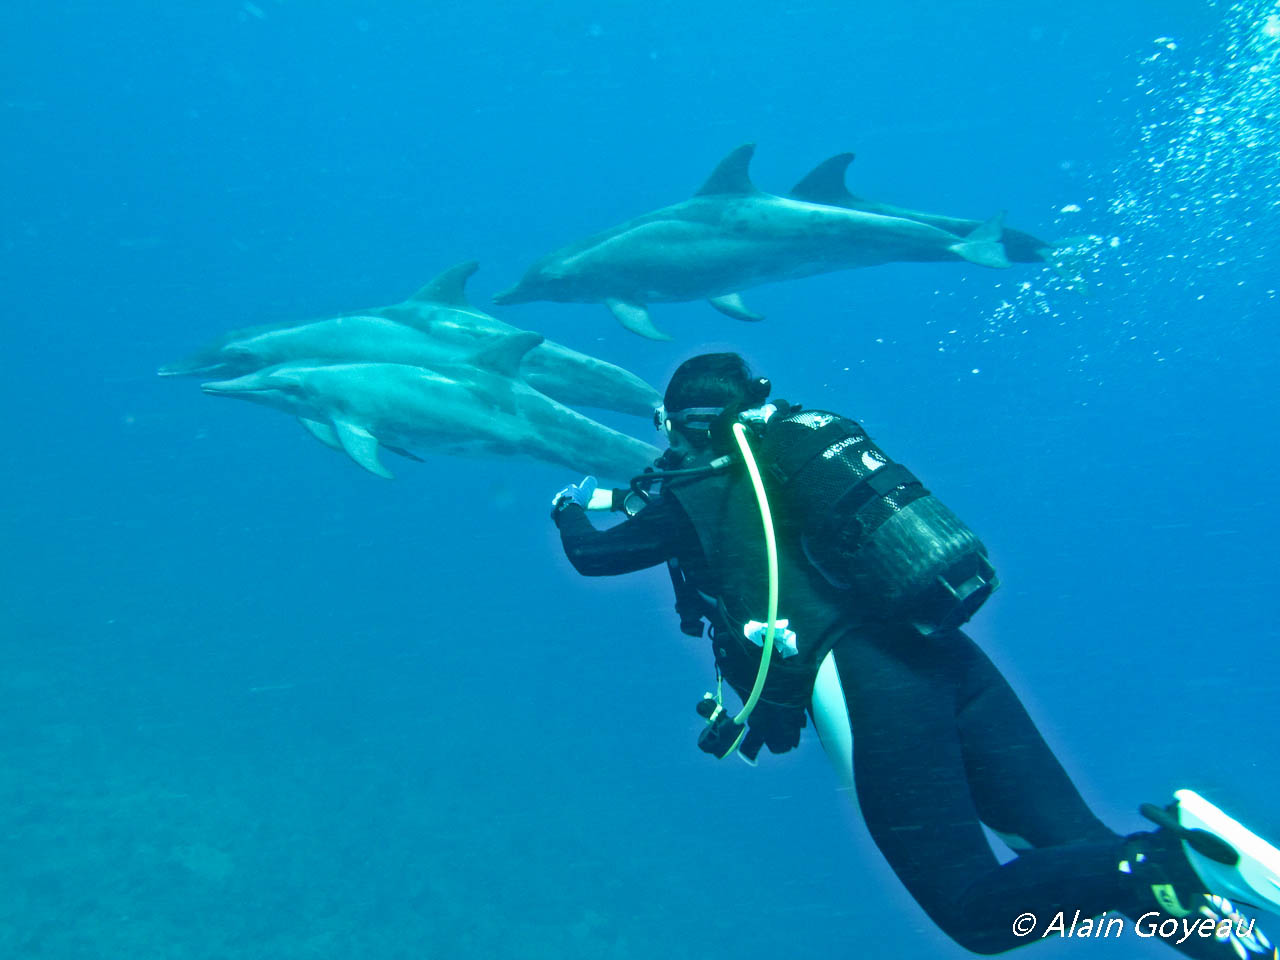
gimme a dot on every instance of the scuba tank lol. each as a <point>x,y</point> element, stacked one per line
<point>869,526</point>
<point>866,524</point>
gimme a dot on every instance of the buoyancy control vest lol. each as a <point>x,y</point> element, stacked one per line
<point>723,511</point>
<point>860,540</point>
<point>870,527</point>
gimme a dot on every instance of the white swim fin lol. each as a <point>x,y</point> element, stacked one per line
<point>1230,859</point>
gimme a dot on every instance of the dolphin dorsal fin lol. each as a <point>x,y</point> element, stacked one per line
<point>450,287</point>
<point>989,231</point>
<point>732,175</point>
<point>825,182</point>
<point>504,355</point>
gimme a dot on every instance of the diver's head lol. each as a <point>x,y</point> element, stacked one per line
<point>703,390</point>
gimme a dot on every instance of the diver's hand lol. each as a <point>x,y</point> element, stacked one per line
<point>774,726</point>
<point>579,493</point>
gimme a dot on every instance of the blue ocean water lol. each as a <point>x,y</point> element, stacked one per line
<point>259,703</point>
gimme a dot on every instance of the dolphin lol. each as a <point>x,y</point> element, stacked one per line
<point>354,338</point>
<point>483,409</point>
<point>825,183</point>
<point>436,327</point>
<point>731,236</point>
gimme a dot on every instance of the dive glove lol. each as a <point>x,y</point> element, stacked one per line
<point>579,493</point>
<point>774,726</point>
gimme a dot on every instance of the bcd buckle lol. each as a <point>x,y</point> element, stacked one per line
<point>721,735</point>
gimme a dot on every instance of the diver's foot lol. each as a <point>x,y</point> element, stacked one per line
<point>1227,858</point>
<point>1203,868</point>
<point>1161,873</point>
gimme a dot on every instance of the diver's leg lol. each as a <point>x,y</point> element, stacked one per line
<point>912,783</point>
<point>909,700</point>
<point>1019,788</point>
<point>1022,793</point>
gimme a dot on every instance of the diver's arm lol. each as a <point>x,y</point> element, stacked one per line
<point>653,536</point>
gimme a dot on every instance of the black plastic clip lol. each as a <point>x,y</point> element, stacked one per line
<point>721,734</point>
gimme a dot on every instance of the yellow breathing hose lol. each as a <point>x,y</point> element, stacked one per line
<point>771,549</point>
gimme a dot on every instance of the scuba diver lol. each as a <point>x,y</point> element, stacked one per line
<point>764,509</point>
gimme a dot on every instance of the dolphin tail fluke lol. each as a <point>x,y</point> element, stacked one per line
<point>635,318</point>
<point>361,446</point>
<point>825,183</point>
<point>449,287</point>
<point>732,306</point>
<point>983,245</point>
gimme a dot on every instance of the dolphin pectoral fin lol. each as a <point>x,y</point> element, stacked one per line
<point>505,355</point>
<point>635,318</point>
<point>354,441</point>
<point>732,175</point>
<point>407,454</point>
<point>982,246</point>
<point>329,437</point>
<point>825,183</point>
<point>322,432</point>
<point>449,287</point>
<point>731,305</point>
<point>361,446</point>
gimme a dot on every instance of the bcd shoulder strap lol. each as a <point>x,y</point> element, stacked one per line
<point>691,608</point>
<point>792,455</point>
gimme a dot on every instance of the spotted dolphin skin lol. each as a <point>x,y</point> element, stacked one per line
<point>825,183</point>
<point>481,408</point>
<point>729,237</point>
<point>437,328</point>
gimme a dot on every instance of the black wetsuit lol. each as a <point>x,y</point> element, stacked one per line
<point>942,745</point>
<point>655,535</point>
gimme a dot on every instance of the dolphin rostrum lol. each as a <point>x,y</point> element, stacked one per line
<point>436,328</point>
<point>731,236</point>
<point>825,183</point>
<point>481,409</point>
